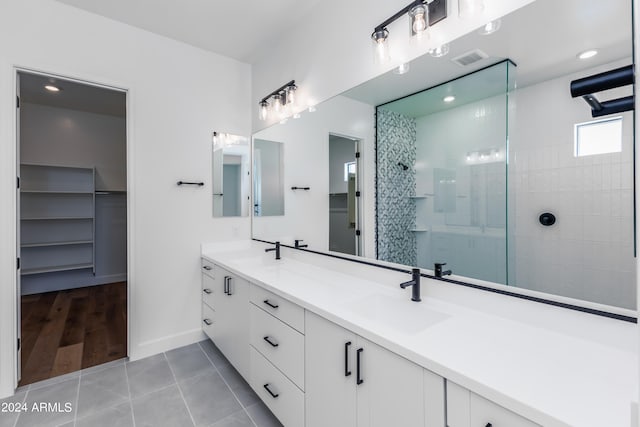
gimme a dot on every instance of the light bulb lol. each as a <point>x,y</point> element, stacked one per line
<point>291,94</point>
<point>418,21</point>
<point>381,46</point>
<point>277,103</point>
<point>264,110</point>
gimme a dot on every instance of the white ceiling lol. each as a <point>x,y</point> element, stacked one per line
<point>542,38</point>
<point>233,28</point>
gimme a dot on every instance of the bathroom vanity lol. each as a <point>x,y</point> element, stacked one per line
<point>329,342</point>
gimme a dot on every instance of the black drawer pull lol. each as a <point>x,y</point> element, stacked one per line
<point>208,322</point>
<point>359,379</point>
<point>207,291</point>
<point>268,339</point>
<point>274,395</point>
<point>269,304</point>
<point>229,286</point>
<point>347,372</point>
<point>226,285</point>
<point>207,267</point>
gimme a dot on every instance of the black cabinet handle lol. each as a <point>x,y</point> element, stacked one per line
<point>226,285</point>
<point>359,379</point>
<point>207,267</point>
<point>229,286</point>
<point>269,304</point>
<point>274,395</point>
<point>268,339</point>
<point>347,372</point>
<point>207,322</point>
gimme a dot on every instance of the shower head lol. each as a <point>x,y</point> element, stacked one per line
<point>404,167</point>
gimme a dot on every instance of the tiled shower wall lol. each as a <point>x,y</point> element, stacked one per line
<point>396,212</point>
<point>588,253</point>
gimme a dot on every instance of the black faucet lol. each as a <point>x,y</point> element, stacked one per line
<point>298,245</point>
<point>437,269</point>
<point>277,249</point>
<point>415,282</point>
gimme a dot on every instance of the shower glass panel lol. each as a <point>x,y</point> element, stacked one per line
<point>442,168</point>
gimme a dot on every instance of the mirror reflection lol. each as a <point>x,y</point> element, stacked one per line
<point>231,175</point>
<point>482,160</point>
<point>268,186</point>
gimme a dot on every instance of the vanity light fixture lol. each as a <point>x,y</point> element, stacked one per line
<point>449,98</point>
<point>422,15</point>
<point>277,100</point>
<point>587,54</point>
<point>490,27</point>
<point>52,88</point>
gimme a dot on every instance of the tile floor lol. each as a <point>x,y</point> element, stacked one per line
<point>189,386</point>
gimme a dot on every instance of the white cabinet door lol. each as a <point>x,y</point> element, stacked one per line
<point>330,371</point>
<point>231,332</point>
<point>391,389</point>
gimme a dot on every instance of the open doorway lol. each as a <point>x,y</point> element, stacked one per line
<point>344,195</point>
<point>72,230</point>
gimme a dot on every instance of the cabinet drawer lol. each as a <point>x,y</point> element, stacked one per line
<point>484,412</point>
<point>467,409</point>
<point>288,312</point>
<point>208,290</point>
<point>282,345</point>
<point>208,317</point>
<point>285,400</point>
<point>208,267</point>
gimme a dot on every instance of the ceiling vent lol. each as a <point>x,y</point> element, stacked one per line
<point>470,57</point>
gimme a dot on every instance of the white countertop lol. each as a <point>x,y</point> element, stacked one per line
<point>555,366</point>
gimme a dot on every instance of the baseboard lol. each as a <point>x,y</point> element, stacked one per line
<point>153,347</point>
<point>51,282</point>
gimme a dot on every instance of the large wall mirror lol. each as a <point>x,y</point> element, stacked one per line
<point>231,175</point>
<point>482,160</point>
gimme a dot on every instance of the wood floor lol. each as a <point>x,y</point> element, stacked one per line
<point>74,329</point>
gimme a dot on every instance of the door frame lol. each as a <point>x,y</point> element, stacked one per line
<point>97,82</point>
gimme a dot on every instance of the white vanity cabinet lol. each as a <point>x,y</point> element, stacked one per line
<point>225,302</point>
<point>350,381</point>
<point>467,409</point>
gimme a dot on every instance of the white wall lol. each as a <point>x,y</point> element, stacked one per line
<point>330,51</point>
<point>64,137</point>
<point>177,95</point>
<point>306,164</point>
<point>588,253</point>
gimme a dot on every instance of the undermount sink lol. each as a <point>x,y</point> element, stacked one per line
<point>406,316</point>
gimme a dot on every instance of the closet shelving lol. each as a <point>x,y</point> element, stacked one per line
<point>57,218</point>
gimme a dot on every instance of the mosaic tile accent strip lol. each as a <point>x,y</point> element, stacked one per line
<point>396,212</point>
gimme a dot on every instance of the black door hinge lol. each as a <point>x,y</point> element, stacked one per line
<point>357,232</point>
<point>17,101</point>
<point>19,342</point>
<point>357,194</point>
<point>17,182</point>
<point>357,154</point>
<point>18,263</point>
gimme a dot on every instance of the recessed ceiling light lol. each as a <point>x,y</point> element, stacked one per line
<point>52,88</point>
<point>587,54</point>
<point>401,69</point>
<point>449,98</point>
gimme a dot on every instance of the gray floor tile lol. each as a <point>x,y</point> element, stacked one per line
<point>188,361</point>
<point>214,353</point>
<point>262,416</point>
<point>8,419</point>
<point>148,375</point>
<point>239,386</point>
<point>61,394</point>
<point>104,366</point>
<point>102,389</point>
<point>163,408</point>
<point>239,419</point>
<point>54,380</point>
<point>120,416</point>
<point>208,398</point>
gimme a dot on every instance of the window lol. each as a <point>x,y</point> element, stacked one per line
<point>598,137</point>
<point>349,169</point>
